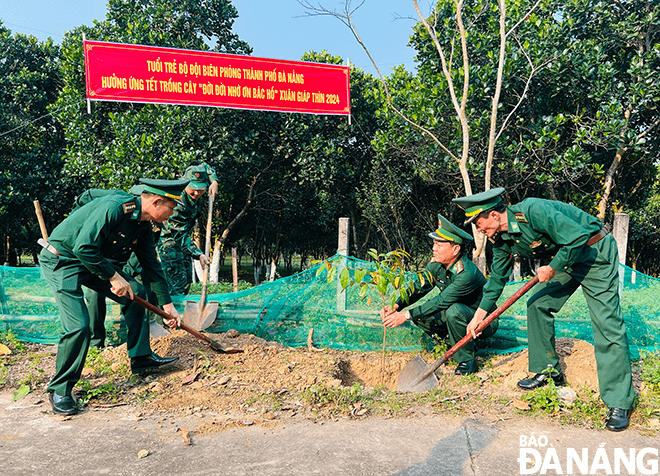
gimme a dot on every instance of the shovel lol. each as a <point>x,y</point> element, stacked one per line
<point>417,376</point>
<point>200,315</point>
<point>204,338</point>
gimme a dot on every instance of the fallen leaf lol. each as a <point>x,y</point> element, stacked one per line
<point>4,350</point>
<point>186,437</point>
<point>143,454</point>
<point>189,378</point>
<point>520,405</point>
<point>20,393</point>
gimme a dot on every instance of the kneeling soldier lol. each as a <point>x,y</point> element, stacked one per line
<point>460,284</point>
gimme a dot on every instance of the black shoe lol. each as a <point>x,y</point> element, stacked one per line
<point>149,362</point>
<point>617,419</point>
<point>65,405</point>
<point>539,380</point>
<point>466,368</point>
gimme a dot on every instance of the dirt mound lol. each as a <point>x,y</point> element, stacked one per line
<point>576,358</point>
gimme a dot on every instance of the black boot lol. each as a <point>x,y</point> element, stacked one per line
<point>539,380</point>
<point>466,368</point>
<point>149,362</point>
<point>65,405</point>
<point>617,419</point>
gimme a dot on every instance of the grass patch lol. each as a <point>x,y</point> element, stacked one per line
<point>86,392</point>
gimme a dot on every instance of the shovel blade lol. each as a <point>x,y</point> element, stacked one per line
<point>192,315</point>
<point>156,331</point>
<point>409,377</point>
<point>208,315</point>
<point>199,318</point>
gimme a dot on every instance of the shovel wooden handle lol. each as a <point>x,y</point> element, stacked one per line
<point>207,251</point>
<point>485,323</point>
<point>204,338</point>
<point>40,217</point>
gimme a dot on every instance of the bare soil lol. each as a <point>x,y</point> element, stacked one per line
<point>269,384</point>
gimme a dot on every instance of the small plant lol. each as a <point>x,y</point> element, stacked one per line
<point>336,399</point>
<point>440,347</point>
<point>97,363</point>
<point>649,364</point>
<point>545,399</point>
<point>86,391</point>
<point>390,279</point>
<point>390,274</point>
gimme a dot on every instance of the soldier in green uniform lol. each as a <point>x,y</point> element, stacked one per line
<point>175,246</point>
<point>460,284</point>
<point>96,305</point>
<point>81,252</point>
<point>581,254</point>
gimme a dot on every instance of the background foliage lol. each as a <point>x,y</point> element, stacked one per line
<point>585,132</point>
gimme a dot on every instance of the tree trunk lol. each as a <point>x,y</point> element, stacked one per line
<point>214,271</point>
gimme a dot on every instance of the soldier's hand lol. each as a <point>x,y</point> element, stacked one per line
<point>204,261</point>
<point>171,310</point>
<point>545,274</point>
<point>120,286</point>
<point>387,310</point>
<point>394,319</point>
<point>478,318</point>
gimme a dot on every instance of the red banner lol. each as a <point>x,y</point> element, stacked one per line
<point>149,74</point>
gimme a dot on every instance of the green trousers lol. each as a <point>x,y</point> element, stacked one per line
<point>177,268</point>
<point>66,278</point>
<point>452,323</point>
<point>597,272</point>
<point>96,307</point>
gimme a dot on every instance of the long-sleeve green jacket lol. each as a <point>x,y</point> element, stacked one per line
<point>104,233</point>
<point>461,283</point>
<point>176,231</point>
<point>538,229</point>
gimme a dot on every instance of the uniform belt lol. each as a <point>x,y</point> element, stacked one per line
<point>595,238</point>
<point>48,247</point>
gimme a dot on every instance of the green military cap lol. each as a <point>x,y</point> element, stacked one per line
<point>136,189</point>
<point>172,189</point>
<point>199,178</point>
<point>479,202</point>
<point>448,232</point>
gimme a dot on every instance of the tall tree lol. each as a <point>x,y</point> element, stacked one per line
<point>31,140</point>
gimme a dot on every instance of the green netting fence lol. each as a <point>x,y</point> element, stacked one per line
<point>286,310</point>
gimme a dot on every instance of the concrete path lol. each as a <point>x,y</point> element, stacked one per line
<point>100,442</point>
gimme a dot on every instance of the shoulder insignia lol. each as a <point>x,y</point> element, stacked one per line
<point>458,267</point>
<point>129,207</point>
<point>520,217</point>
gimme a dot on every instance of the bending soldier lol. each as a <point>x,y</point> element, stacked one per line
<point>81,252</point>
<point>581,254</point>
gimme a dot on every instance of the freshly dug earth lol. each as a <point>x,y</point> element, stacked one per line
<point>269,384</point>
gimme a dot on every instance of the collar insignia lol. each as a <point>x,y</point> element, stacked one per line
<point>129,207</point>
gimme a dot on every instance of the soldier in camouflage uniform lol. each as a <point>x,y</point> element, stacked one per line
<point>175,246</point>
<point>460,284</point>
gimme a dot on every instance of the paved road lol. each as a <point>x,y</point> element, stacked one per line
<point>35,442</point>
